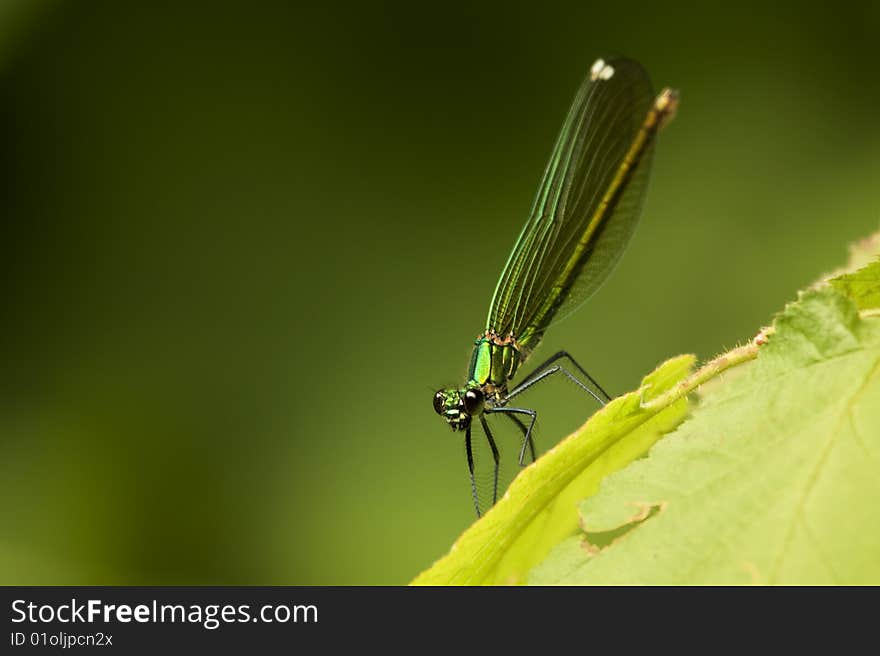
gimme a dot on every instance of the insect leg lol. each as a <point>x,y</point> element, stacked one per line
<point>535,375</point>
<point>527,440</point>
<point>494,456</point>
<point>470,461</point>
<point>525,432</point>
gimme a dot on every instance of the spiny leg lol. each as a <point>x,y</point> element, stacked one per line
<point>522,387</point>
<point>470,461</point>
<point>528,438</point>
<point>538,373</point>
<point>525,432</point>
<point>495,457</point>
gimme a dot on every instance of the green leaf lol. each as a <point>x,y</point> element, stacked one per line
<point>774,479</point>
<point>539,508</point>
<point>862,286</point>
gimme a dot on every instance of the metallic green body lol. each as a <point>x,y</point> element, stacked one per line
<point>493,363</point>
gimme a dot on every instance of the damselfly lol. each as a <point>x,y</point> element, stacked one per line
<point>585,212</point>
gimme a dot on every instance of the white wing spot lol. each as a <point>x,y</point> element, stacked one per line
<point>601,71</point>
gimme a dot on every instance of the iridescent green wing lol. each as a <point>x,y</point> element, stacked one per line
<point>577,229</point>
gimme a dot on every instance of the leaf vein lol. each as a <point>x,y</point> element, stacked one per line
<point>817,470</point>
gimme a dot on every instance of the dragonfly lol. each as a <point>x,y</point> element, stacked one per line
<point>584,215</point>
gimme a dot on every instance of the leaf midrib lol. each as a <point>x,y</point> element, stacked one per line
<point>815,474</point>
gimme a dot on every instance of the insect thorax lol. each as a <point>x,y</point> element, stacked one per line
<point>493,363</point>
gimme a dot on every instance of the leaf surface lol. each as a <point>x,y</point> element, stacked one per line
<point>540,507</point>
<point>774,479</point>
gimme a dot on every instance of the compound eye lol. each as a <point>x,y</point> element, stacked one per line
<point>439,400</point>
<point>473,401</point>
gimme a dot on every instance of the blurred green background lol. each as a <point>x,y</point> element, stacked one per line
<point>244,243</point>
